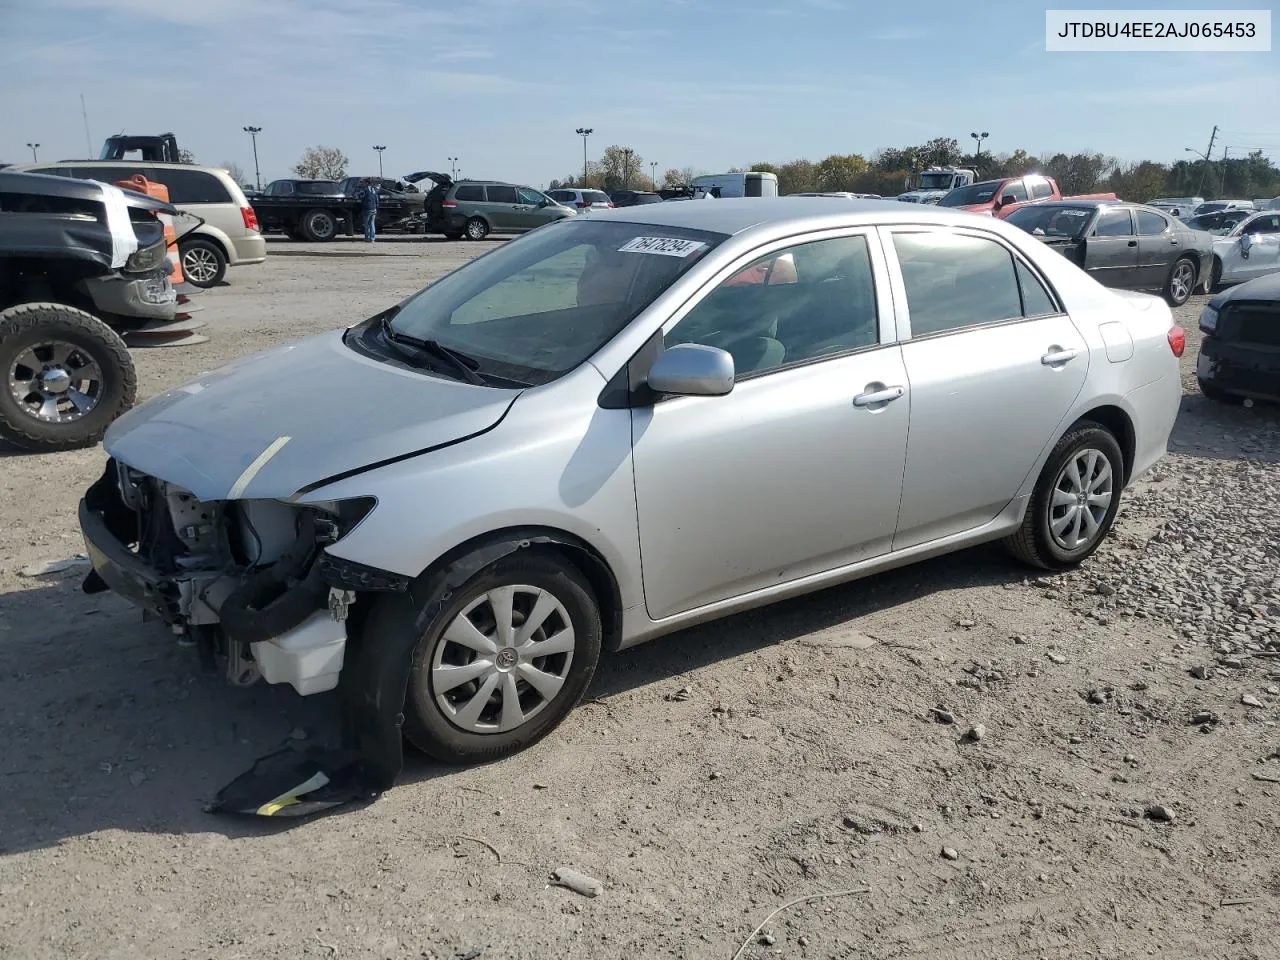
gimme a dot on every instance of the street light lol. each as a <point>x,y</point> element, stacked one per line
<point>257,175</point>
<point>379,149</point>
<point>977,157</point>
<point>653,175</point>
<point>626,168</point>
<point>34,147</point>
<point>584,132</point>
<point>453,166</point>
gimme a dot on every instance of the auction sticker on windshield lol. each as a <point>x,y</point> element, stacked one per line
<point>662,246</point>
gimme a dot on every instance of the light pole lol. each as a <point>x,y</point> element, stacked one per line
<point>380,149</point>
<point>977,157</point>
<point>453,166</point>
<point>653,173</point>
<point>257,174</point>
<point>626,168</point>
<point>34,147</point>
<point>584,132</point>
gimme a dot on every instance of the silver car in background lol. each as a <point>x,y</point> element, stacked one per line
<point>618,426</point>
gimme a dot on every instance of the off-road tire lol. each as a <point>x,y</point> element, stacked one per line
<point>477,229</point>
<point>30,323</point>
<point>313,219</point>
<point>425,724</point>
<point>1032,543</point>
<point>210,254</point>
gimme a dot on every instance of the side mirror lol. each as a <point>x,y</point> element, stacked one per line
<point>692,370</point>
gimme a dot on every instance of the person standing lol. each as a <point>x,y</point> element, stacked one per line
<point>369,207</point>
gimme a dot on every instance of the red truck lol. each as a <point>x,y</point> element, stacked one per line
<point>999,198</point>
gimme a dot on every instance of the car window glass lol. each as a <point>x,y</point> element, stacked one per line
<point>1114,223</point>
<point>560,195</point>
<point>954,281</point>
<point>798,304</point>
<point>530,196</point>
<point>550,284</point>
<point>1041,189</point>
<point>189,186</point>
<point>1016,189</point>
<point>1150,223</point>
<point>500,194</point>
<point>1270,224</point>
<point>471,193</point>
<point>1036,301</point>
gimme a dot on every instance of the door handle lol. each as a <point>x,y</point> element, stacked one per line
<point>1173,241</point>
<point>1133,243</point>
<point>1057,355</point>
<point>881,395</point>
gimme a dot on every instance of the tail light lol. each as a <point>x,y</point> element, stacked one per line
<point>250,217</point>
<point>1177,340</point>
<point>450,204</point>
<point>583,203</point>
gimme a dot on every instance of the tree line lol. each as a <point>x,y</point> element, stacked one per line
<point>891,171</point>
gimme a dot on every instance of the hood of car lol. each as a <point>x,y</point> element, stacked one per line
<point>1261,288</point>
<point>273,423</point>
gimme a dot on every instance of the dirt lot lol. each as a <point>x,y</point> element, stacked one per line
<point>715,774</point>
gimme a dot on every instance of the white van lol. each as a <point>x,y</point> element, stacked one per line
<point>751,184</point>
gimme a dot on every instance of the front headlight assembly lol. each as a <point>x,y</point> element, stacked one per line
<point>1208,320</point>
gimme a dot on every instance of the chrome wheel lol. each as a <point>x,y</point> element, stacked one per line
<point>1182,281</point>
<point>477,229</point>
<point>1081,498</point>
<point>55,381</point>
<point>503,659</point>
<point>200,265</point>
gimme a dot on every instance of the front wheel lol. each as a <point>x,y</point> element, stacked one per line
<point>504,661</point>
<point>67,376</point>
<point>203,262</point>
<point>1182,280</point>
<point>318,226</point>
<point>477,229</point>
<point>1074,502</point>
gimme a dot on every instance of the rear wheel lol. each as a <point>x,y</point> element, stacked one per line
<point>477,229</point>
<point>67,376</point>
<point>203,262</point>
<point>1074,502</point>
<point>318,226</point>
<point>1182,280</point>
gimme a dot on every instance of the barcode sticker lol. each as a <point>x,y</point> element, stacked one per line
<point>662,246</point>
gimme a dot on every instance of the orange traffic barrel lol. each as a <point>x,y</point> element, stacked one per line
<point>159,191</point>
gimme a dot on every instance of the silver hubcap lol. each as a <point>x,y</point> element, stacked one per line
<point>200,265</point>
<point>55,382</point>
<point>1183,277</point>
<point>321,225</point>
<point>477,230</point>
<point>1080,500</point>
<point>503,659</point>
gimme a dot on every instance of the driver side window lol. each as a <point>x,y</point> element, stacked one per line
<point>795,305</point>
<point>532,197</point>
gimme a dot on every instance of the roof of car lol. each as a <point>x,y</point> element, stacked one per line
<point>52,185</point>
<point>736,214</point>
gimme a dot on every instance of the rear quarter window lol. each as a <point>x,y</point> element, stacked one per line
<point>190,186</point>
<point>471,193</point>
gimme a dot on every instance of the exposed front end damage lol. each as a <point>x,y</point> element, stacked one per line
<point>248,582</point>
<point>1240,352</point>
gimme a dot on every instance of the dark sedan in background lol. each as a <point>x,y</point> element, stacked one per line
<point>1129,246</point>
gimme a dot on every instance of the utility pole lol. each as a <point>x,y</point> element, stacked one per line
<point>88,142</point>
<point>584,132</point>
<point>257,174</point>
<point>1207,154</point>
<point>380,149</point>
<point>35,158</point>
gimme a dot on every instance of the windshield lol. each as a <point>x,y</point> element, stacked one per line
<point>1210,207</point>
<point>1051,222</point>
<point>1221,223</point>
<point>976,193</point>
<point>538,306</point>
<point>935,181</point>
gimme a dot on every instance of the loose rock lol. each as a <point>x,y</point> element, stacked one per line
<point>1249,700</point>
<point>577,882</point>
<point>1160,813</point>
<point>943,716</point>
<point>975,733</point>
<point>950,853</point>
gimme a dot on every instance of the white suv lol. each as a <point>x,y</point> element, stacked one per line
<point>229,235</point>
<point>582,199</point>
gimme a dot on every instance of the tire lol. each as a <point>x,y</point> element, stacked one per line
<point>435,720</point>
<point>203,262</point>
<point>453,236</point>
<point>318,226</point>
<point>1040,542</point>
<point>1181,282</point>
<point>73,341</point>
<point>1217,394</point>
<point>477,229</point>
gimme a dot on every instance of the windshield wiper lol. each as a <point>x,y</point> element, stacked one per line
<point>464,365</point>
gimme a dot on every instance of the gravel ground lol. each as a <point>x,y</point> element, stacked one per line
<point>1117,796</point>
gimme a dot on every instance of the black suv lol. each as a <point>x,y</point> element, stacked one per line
<point>633,198</point>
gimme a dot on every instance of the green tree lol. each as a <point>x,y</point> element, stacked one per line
<point>1078,172</point>
<point>621,169</point>
<point>321,163</point>
<point>1140,182</point>
<point>186,156</point>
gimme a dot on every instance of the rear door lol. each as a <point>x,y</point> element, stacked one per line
<point>1158,247</point>
<point>993,366</point>
<point>1111,249</point>
<point>500,207</point>
<point>1264,246</point>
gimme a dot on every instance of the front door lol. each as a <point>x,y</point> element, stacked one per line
<point>993,366</point>
<point>1263,248</point>
<point>1111,250</point>
<point>531,209</point>
<point>797,470</point>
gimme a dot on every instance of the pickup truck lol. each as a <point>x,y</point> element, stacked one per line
<point>316,209</point>
<point>999,198</point>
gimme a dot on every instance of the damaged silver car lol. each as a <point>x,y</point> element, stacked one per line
<point>618,426</point>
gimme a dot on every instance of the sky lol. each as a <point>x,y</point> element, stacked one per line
<point>503,84</point>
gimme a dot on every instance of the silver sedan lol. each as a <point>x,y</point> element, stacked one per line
<point>618,426</point>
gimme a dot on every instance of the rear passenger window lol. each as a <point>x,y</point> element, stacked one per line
<point>1016,190</point>
<point>1041,189</point>
<point>501,194</point>
<point>955,281</point>
<point>189,186</point>
<point>1114,223</point>
<point>1150,223</point>
<point>472,193</point>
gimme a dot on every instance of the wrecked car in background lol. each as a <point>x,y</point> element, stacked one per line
<point>77,257</point>
<point>1240,354</point>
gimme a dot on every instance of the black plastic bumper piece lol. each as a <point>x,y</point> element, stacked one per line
<point>349,575</point>
<point>122,570</point>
